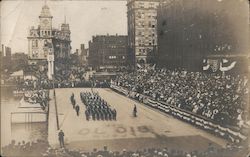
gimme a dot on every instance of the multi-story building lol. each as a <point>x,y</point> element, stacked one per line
<point>190,31</point>
<point>45,39</point>
<point>108,51</point>
<point>142,30</point>
<point>83,55</point>
<point>6,57</point>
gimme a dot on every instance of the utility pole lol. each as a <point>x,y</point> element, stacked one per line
<point>54,90</point>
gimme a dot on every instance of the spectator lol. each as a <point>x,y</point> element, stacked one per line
<point>61,138</point>
<point>219,98</point>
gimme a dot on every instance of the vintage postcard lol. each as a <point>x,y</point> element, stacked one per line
<point>125,78</point>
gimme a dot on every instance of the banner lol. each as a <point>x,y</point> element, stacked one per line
<point>188,117</point>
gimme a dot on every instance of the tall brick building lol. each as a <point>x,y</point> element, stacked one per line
<point>142,30</point>
<point>108,51</point>
<point>192,30</point>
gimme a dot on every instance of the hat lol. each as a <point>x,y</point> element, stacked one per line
<point>188,155</point>
<point>166,155</point>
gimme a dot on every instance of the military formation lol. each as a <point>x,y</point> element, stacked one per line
<point>75,106</point>
<point>96,107</point>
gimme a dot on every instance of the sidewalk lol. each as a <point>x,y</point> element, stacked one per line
<point>52,126</point>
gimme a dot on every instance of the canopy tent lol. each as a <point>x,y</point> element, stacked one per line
<point>30,77</point>
<point>17,74</point>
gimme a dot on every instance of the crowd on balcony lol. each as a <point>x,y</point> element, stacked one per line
<point>220,98</point>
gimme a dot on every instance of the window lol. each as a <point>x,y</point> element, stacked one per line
<point>36,43</point>
<point>112,57</point>
<point>149,24</point>
<point>33,43</point>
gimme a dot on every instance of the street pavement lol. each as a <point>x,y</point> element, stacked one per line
<point>150,129</point>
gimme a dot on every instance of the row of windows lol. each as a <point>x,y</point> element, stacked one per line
<point>142,16</point>
<point>143,5</point>
<point>144,44</point>
<point>146,13</point>
<point>115,57</point>
<point>142,24</point>
<point>141,34</point>
<point>46,33</point>
<point>147,5</point>
<point>35,54</point>
<point>114,46</point>
<point>35,43</point>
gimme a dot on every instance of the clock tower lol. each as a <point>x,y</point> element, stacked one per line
<point>45,22</point>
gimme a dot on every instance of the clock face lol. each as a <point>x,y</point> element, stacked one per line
<point>45,22</point>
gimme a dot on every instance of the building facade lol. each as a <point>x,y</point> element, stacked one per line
<point>45,39</point>
<point>190,31</point>
<point>142,30</point>
<point>83,55</point>
<point>6,57</point>
<point>108,51</point>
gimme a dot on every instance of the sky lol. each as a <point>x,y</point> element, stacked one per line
<point>86,18</point>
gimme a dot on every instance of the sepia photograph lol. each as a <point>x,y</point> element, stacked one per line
<point>125,78</point>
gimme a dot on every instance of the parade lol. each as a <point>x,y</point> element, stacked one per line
<point>96,107</point>
<point>127,78</point>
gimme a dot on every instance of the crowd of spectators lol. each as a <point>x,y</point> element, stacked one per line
<point>25,149</point>
<point>37,97</point>
<point>59,82</point>
<point>220,98</point>
<point>43,149</point>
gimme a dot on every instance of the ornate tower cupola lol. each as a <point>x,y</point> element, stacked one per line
<point>45,22</point>
<point>65,29</point>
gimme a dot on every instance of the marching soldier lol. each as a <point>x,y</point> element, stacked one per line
<point>77,108</point>
<point>114,114</point>
<point>87,115</point>
<point>73,103</point>
<point>135,111</point>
